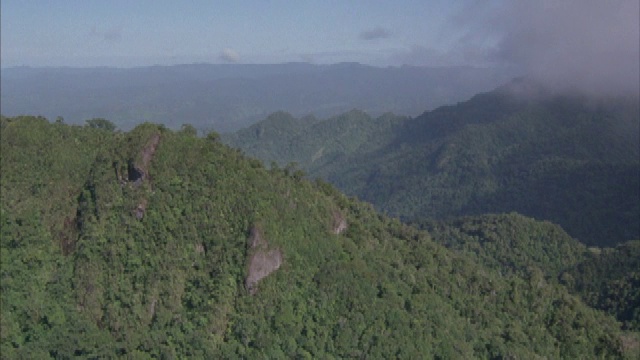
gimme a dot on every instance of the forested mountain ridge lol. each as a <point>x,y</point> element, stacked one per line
<point>573,160</point>
<point>312,143</point>
<point>158,243</point>
<point>610,280</point>
<point>606,279</point>
<point>228,97</point>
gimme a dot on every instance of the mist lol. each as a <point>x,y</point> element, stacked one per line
<point>589,46</point>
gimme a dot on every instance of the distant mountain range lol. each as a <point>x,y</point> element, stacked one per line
<point>232,96</point>
<point>573,160</point>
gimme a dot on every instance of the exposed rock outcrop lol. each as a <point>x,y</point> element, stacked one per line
<point>262,261</point>
<point>339,223</point>
<point>149,150</point>
<point>140,209</point>
<point>139,172</point>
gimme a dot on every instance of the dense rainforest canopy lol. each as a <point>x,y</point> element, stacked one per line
<point>570,159</point>
<point>155,243</point>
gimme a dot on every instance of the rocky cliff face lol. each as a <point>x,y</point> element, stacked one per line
<point>262,260</point>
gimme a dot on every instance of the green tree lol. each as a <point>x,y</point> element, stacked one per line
<point>213,136</point>
<point>100,123</point>
<point>188,129</point>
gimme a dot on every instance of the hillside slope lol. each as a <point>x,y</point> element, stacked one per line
<point>610,280</point>
<point>314,144</point>
<point>606,279</point>
<point>569,159</point>
<point>162,244</point>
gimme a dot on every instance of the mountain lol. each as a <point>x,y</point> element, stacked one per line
<point>512,243</point>
<point>311,143</point>
<point>232,96</point>
<point>610,280</point>
<point>606,279</point>
<point>570,159</point>
<point>155,243</point>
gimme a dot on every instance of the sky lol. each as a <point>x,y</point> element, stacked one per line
<point>584,43</point>
<point>139,32</point>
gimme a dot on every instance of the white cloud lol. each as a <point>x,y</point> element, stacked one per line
<point>591,45</point>
<point>229,55</point>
